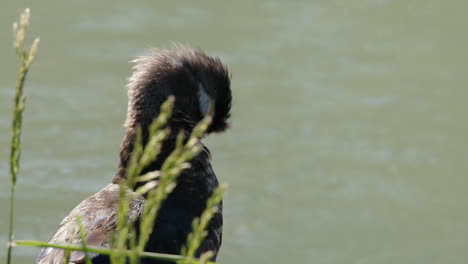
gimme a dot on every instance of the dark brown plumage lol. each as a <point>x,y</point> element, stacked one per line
<point>197,81</point>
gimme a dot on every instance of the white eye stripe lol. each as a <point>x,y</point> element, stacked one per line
<point>204,100</point>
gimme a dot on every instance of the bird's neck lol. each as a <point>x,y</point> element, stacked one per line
<point>128,144</point>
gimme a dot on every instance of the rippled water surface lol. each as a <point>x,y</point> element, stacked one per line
<point>349,132</point>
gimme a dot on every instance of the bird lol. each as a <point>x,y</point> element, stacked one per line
<point>200,85</point>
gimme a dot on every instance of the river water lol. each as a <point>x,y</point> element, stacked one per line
<point>349,130</point>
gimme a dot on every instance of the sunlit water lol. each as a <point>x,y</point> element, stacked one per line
<point>349,132</point>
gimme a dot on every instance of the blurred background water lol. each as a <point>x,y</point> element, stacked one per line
<point>349,131</point>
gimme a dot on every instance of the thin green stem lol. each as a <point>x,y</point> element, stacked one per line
<point>26,57</point>
<point>104,251</point>
<point>10,229</point>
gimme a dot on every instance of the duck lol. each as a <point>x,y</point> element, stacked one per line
<point>200,85</point>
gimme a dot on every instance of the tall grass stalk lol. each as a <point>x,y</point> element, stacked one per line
<point>199,225</point>
<point>171,169</point>
<point>26,57</point>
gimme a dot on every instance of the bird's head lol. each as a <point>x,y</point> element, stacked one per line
<point>199,83</point>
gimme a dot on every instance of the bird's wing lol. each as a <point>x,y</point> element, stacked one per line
<point>98,215</point>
